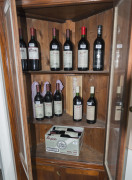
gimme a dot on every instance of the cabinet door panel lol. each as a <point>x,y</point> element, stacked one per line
<point>118,98</point>
<point>17,93</point>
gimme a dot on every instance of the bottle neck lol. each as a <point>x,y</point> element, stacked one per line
<point>118,95</point>
<point>83,36</point>
<point>99,35</point>
<point>38,93</point>
<point>77,94</point>
<point>21,38</point>
<point>67,38</point>
<point>54,37</point>
<point>32,37</point>
<point>91,95</point>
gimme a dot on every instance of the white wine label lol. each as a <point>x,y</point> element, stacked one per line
<point>78,103</point>
<point>39,109</point>
<point>77,112</point>
<point>23,53</point>
<point>61,128</point>
<point>119,46</point>
<point>54,59</point>
<point>90,113</point>
<point>67,56</point>
<point>89,103</point>
<point>54,46</point>
<point>82,58</point>
<point>83,46</point>
<point>98,46</point>
<point>33,53</point>
<point>58,107</point>
<point>48,108</point>
<point>31,44</point>
<point>66,47</point>
<point>72,134</point>
<point>117,113</point>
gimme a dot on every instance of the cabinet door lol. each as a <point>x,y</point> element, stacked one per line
<point>118,93</point>
<point>16,100</point>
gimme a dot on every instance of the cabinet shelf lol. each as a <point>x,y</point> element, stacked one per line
<point>67,120</point>
<point>105,72</point>
<point>88,157</point>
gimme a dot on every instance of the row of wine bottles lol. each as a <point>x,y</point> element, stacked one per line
<point>64,132</point>
<point>47,106</point>
<point>32,60</point>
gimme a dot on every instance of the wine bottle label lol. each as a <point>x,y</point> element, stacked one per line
<point>39,109</point>
<point>82,58</point>
<point>98,46</point>
<point>67,56</point>
<point>119,46</point>
<point>58,107</point>
<point>117,113</point>
<point>83,46</point>
<point>23,53</point>
<point>54,59</point>
<point>60,129</point>
<point>48,108</point>
<point>66,47</point>
<point>77,112</point>
<point>98,56</point>
<point>91,113</point>
<point>72,134</point>
<point>33,53</point>
<point>54,46</point>
<point>31,44</point>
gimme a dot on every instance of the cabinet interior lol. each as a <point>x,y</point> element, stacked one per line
<point>92,151</point>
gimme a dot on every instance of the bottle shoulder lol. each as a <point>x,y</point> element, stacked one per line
<point>68,43</point>
<point>22,43</point>
<point>38,98</point>
<point>98,41</point>
<point>33,42</point>
<point>77,99</point>
<point>92,100</point>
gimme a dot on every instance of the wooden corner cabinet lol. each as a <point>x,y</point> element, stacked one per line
<point>102,153</point>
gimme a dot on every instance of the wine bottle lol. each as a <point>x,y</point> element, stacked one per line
<point>98,55</point>
<point>118,105</point>
<point>57,101</point>
<point>54,53</point>
<point>48,103</point>
<point>23,52</point>
<point>39,106</point>
<point>63,129</point>
<point>77,106</point>
<point>33,52</point>
<point>68,53</point>
<point>91,108</point>
<point>83,51</point>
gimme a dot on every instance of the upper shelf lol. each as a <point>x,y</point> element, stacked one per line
<point>61,10</point>
<point>105,72</point>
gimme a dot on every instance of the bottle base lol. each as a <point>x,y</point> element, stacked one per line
<point>77,120</point>
<point>58,115</point>
<point>48,117</point>
<point>91,122</point>
<point>55,69</point>
<point>68,69</point>
<point>98,69</point>
<point>39,119</point>
<point>82,69</point>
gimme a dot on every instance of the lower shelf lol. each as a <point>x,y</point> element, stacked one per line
<point>88,158</point>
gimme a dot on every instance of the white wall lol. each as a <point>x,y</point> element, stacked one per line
<point>6,150</point>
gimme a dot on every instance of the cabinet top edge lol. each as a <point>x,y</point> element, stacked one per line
<point>52,3</point>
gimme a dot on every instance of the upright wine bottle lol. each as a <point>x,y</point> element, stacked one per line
<point>98,55</point>
<point>54,53</point>
<point>57,101</point>
<point>68,53</point>
<point>77,106</point>
<point>91,107</point>
<point>39,106</point>
<point>48,103</point>
<point>33,52</point>
<point>83,51</point>
<point>118,105</point>
<point>23,52</point>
